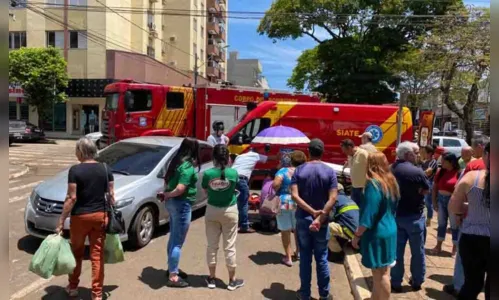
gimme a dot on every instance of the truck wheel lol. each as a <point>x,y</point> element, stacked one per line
<point>142,229</point>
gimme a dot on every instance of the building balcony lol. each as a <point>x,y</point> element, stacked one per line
<point>213,27</point>
<point>213,6</point>
<point>212,71</point>
<point>213,50</point>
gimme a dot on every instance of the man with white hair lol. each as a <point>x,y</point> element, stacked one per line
<point>411,221</point>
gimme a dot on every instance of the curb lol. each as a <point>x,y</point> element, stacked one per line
<point>20,173</point>
<point>358,284</point>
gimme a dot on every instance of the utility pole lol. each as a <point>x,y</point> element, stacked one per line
<point>399,119</point>
<point>194,90</point>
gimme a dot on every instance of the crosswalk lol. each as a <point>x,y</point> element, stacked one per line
<point>51,158</point>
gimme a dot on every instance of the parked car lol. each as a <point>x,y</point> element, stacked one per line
<point>138,165</point>
<point>450,144</point>
<point>24,131</point>
<point>95,137</point>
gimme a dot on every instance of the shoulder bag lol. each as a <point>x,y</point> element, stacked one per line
<point>115,222</point>
<point>271,205</point>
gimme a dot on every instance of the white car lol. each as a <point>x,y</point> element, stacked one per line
<point>95,137</point>
<point>450,144</point>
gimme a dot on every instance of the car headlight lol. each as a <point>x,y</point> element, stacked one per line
<point>34,198</point>
<point>124,202</point>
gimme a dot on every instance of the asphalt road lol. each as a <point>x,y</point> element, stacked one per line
<point>141,276</point>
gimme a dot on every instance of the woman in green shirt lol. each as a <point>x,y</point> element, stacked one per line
<point>221,215</point>
<point>180,194</point>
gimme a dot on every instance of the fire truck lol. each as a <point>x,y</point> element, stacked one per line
<point>135,109</point>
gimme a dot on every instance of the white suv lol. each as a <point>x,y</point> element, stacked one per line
<point>450,144</point>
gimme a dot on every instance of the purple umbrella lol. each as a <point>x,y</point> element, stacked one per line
<point>281,135</point>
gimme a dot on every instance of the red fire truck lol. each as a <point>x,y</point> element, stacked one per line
<point>135,109</point>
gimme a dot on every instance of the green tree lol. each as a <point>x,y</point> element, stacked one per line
<point>354,63</point>
<point>42,74</point>
<point>459,49</point>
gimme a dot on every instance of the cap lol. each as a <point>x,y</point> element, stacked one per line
<point>316,145</point>
<point>366,134</point>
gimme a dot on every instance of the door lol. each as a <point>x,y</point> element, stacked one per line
<point>229,114</point>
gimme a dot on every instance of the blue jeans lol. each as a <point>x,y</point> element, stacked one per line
<point>313,244</point>
<point>242,203</point>
<point>458,278</point>
<point>356,195</point>
<point>412,229</point>
<point>443,216</point>
<point>429,203</point>
<point>179,211</point>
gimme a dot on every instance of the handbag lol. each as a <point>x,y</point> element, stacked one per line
<point>271,204</point>
<point>115,222</point>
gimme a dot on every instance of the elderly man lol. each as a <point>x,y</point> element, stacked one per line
<point>478,144</point>
<point>410,216</point>
<point>466,157</point>
<point>367,142</point>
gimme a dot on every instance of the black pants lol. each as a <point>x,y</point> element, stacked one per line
<point>475,254</point>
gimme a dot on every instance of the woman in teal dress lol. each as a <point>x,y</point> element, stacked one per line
<point>377,231</point>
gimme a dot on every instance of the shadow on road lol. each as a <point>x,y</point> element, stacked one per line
<point>442,253</point>
<point>277,291</point>
<point>444,279</point>
<point>58,292</point>
<point>153,277</point>
<point>262,258</point>
<point>436,294</point>
<point>29,244</point>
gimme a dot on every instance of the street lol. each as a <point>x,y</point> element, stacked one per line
<point>142,275</point>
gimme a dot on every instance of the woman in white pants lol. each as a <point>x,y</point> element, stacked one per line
<point>221,216</point>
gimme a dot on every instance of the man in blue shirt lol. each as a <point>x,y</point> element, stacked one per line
<point>411,221</point>
<point>344,220</point>
<point>314,189</point>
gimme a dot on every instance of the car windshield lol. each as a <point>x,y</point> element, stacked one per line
<point>112,101</point>
<point>17,124</point>
<point>132,158</point>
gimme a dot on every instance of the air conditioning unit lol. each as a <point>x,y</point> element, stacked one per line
<point>173,63</point>
<point>173,38</point>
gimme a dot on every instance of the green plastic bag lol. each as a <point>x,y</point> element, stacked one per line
<point>113,250</point>
<point>44,261</point>
<point>65,261</point>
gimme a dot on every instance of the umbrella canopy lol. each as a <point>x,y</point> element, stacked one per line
<point>281,135</point>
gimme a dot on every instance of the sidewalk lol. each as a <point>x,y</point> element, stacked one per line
<point>439,272</point>
<point>17,170</point>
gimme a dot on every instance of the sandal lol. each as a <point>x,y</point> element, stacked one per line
<point>286,262</point>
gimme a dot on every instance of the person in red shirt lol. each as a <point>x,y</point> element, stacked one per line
<point>443,187</point>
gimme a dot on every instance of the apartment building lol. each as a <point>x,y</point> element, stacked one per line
<point>216,49</point>
<point>126,39</point>
<point>245,72</point>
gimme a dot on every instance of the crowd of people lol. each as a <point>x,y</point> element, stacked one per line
<point>386,211</point>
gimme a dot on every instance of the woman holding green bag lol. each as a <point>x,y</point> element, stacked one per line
<point>88,183</point>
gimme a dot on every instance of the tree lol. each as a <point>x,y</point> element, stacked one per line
<point>459,49</point>
<point>354,62</point>
<point>41,72</point>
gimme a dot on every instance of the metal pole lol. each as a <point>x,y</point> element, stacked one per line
<point>66,32</point>
<point>399,121</point>
<point>194,90</point>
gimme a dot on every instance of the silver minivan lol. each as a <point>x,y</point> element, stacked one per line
<point>138,165</point>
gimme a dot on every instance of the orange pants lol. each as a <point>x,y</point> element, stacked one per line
<point>91,225</point>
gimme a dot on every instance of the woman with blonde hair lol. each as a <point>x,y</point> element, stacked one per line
<point>377,231</point>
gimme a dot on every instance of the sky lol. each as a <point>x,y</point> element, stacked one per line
<point>278,59</point>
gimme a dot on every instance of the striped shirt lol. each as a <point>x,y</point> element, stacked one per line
<point>477,221</point>
<point>430,164</point>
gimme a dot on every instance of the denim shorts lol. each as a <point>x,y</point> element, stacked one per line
<point>286,220</point>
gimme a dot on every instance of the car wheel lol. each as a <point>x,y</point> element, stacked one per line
<point>142,229</point>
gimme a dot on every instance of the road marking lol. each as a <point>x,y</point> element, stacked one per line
<point>31,288</point>
<point>19,198</point>
<point>46,164</point>
<point>25,186</point>
<point>14,181</point>
<point>69,161</point>
<point>22,209</point>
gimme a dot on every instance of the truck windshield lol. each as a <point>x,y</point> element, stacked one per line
<point>132,158</point>
<point>112,101</point>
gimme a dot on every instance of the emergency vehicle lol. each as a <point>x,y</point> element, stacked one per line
<point>329,122</point>
<point>134,109</point>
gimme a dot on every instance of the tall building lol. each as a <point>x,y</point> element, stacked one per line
<point>216,46</point>
<point>245,72</point>
<point>103,41</point>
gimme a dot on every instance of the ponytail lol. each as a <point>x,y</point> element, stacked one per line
<point>221,158</point>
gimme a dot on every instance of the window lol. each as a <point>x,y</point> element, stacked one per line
<point>201,54</point>
<point>151,52</point>
<point>250,130</point>
<point>202,31</point>
<point>12,110</point>
<point>195,24</point>
<point>112,101</point>
<point>436,142</point>
<point>194,48</point>
<point>17,4</point>
<point>140,100</point>
<point>175,100</point>
<point>77,2</point>
<point>205,153</point>
<point>55,119</point>
<point>17,40</point>
<point>77,39</point>
<point>24,111</point>
<point>451,143</point>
